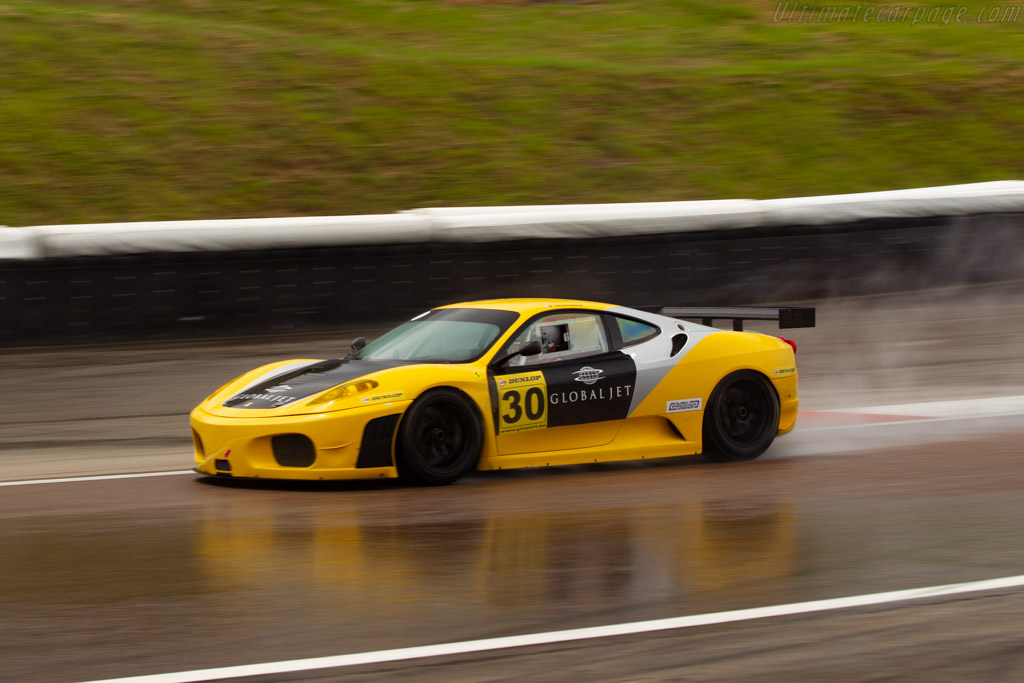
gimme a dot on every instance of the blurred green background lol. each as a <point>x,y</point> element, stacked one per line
<point>118,110</point>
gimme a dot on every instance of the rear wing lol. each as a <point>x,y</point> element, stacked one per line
<point>790,317</point>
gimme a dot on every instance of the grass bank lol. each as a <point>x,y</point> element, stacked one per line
<point>175,109</point>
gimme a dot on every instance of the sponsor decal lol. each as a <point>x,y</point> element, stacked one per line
<point>599,394</point>
<point>683,405</point>
<point>522,403</point>
<point>589,375</point>
<point>270,398</point>
<point>558,395</point>
<point>503,382</point>
<point>274,390</point>
<point>383,397</point>
<point>784,372</point>
<point>523,379</point>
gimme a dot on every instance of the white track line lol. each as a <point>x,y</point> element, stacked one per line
<point>569,635</point>
<point>971,407</point>
<point>98,477</point>
<point>888,423</point>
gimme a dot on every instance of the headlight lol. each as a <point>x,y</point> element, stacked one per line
<point>344,391</point>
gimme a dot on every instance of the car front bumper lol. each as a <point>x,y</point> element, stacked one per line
<point>330,445</point>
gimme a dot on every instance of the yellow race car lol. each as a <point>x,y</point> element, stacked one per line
<point>492,385</point>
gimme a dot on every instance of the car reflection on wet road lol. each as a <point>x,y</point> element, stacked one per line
<point>116,578</point>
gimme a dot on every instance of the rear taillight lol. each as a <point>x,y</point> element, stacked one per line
<point>790,342</point>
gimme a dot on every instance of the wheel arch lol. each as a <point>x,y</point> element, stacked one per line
<point>475,412</point>
<point>708,444</point>
<point>733,371</point>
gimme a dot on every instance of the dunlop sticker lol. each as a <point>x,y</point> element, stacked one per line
<point>383,397</point>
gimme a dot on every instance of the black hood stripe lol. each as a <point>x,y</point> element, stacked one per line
<point>303,382</point>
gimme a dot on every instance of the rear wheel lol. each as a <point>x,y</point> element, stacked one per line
<point>439,438</point>
<point>741,418</point>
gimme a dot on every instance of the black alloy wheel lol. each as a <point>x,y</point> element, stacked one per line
<point>439,438</point>
<point>741,418</point>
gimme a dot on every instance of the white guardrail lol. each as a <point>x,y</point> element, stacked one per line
<point>489,224</point>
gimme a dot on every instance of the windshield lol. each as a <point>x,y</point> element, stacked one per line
<point>444,335</point>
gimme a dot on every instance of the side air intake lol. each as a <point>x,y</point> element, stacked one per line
<point>678,342</point>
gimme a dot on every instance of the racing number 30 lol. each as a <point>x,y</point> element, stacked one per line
<point>532,405</point>
<point>523,403</point>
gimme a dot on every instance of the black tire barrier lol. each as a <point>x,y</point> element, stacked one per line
<point>191,295</point>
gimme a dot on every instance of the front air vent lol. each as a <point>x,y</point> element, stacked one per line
<point>293,450</point>
<point>375,450</point>
<point>197,441</point>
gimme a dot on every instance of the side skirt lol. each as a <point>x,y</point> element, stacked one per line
<point>638,439</point>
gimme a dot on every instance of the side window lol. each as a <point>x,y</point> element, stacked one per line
<point>562,336</point>
<point>634,331</point>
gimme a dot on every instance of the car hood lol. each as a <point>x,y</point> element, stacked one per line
<point>295,384</point>
<point>287,387</point>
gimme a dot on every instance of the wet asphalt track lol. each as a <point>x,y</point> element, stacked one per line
<point>142,576</point>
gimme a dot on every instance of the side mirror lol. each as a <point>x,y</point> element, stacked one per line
<point>358,343</point>
<point>530,348</point>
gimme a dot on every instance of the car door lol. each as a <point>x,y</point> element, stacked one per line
<point>574,394</point>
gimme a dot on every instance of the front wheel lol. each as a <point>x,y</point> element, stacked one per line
<point>741,418</point>
<point>439,438</point>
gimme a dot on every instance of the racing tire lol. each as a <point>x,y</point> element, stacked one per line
<point>741,418</point>
<point>439,439</point>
